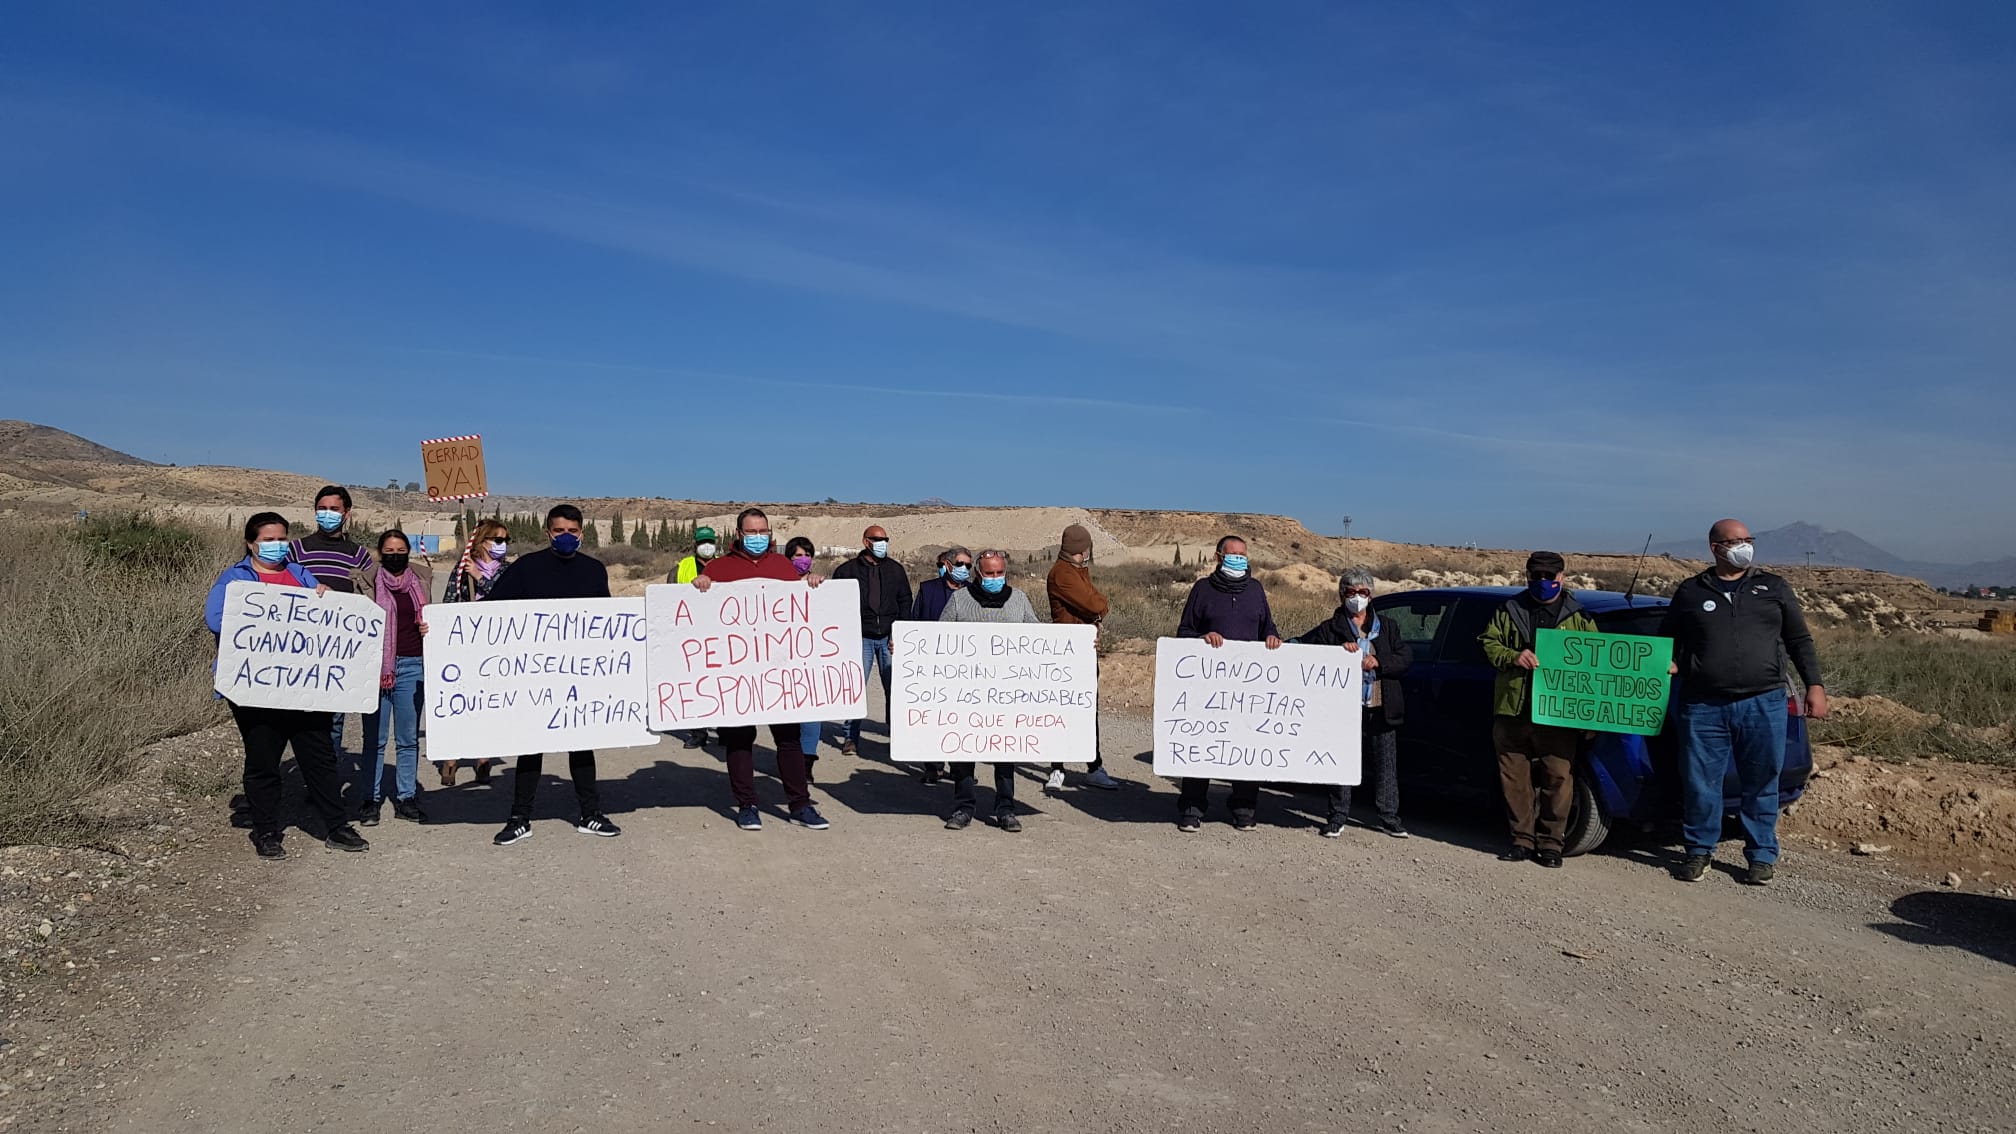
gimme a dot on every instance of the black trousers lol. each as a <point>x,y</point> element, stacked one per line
<point>963,783</point>
<point>1381,771</point>
<point>581,765</point>
<point>267,734</point>
<point>1196,791</point>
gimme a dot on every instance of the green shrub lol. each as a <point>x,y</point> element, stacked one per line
<point>139,541</point>
<point>1970,685</point>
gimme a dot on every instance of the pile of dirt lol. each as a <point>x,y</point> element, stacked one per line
<point>1960,817</point>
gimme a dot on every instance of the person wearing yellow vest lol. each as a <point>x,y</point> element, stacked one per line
<point>704,549</point>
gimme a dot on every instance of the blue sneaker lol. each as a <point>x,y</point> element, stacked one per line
<point>749,819</point>
<point>809,817</point>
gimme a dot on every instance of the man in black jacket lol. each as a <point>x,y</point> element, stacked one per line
<point>885,601</point>
<point>1387,657</point>
<point>558,572</point>
<point>1732,628</point>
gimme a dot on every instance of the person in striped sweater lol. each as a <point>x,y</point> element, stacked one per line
<point>329,554</point>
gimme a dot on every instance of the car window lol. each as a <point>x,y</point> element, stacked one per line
<point>1466,623</point>
<point>1643,620</point>
<point>1417,619</point>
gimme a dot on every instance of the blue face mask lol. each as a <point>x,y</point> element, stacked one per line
<point>879,549</point>
<point>328,520</point>
<point>941,570</point>
<point>1546,590</point>
<point>273,551</point>
<point>993,586</point>
<point>566,543</point>
<point>1235,565</point>
<point>755,543</point>
<point>961,574</point>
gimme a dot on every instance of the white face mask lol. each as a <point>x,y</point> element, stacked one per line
<point>1356,604</point>
<point>1739,554</point>
<point>705,550</point>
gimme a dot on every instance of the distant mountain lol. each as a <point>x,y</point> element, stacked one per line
<point>935,502</point>
<point>1788,546</point>
<point>27,441</point>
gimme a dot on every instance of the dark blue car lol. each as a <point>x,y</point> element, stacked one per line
<point>1446,740</point>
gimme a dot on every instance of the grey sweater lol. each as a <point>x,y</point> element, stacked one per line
<point>965,608</point>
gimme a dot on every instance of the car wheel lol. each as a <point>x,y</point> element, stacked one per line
<point>1588,824</point>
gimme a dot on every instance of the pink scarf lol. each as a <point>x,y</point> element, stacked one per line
<point>388,585</point>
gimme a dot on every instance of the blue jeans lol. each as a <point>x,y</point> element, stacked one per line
<point>872,650</point>
<point>401,705</point>
<point>1749,734</point>
<point>808,737</point>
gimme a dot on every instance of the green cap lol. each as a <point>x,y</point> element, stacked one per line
<point>703,535</point>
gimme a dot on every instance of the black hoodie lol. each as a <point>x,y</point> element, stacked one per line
<point>1729,650</point>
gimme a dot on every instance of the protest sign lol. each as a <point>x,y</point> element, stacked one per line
<point>1245,712</point>
<point>755,651</point>
<point>1014,693</point>
<point>534,675</point>
<point>290,648</point>
<point>455,468</point>
<point>1605,682</point>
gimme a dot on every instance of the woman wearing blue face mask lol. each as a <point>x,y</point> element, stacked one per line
<point>801,553</point>
<point>268,733</point>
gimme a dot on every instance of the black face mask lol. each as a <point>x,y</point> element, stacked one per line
<point>394,563</point>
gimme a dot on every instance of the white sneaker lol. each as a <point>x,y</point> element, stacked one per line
<point>1055,782</point>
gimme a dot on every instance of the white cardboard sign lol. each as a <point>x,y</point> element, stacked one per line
<point>534,675</point>
<point>997,693</point>
<point>755,651</point>
<point>290,648</point>
<point>1245,712</point>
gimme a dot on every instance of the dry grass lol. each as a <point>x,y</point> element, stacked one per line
<point>102,651</point>
<point>1147,601</point>
<point>1968,686</point>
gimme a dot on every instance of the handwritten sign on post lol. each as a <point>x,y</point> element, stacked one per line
<point>1245,712</point>
<point>998,694</point>
<point>289,648</point>
<point>1603,682</point>
<point>534,675</point>
<point>455,468</point>
<point>756,651</point>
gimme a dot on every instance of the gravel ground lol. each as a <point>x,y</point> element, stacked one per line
<point>1098,971</point>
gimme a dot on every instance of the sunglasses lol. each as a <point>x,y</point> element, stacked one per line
<point>1548,575</point>
<point>1363,592</point>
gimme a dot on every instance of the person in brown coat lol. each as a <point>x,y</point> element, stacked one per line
<point>1074,601</point>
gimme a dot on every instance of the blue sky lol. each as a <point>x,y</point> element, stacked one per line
<point>1520,274</point>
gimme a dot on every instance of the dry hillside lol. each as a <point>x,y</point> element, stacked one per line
<point>48,471</point>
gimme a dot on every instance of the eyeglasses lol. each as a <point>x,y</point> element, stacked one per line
<point>1730,542</point>
<point>1363,592</point>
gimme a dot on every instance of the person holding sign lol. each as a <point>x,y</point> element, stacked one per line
<point>483,559</point>
<point>689,568</point>
<point>992,601</point>
<point>752,558</point>
<point>1226,604</point>
<point>1074,601</point>
<point>955,571</point>
<point>268,733</point>
<point>402,589</point>
<point>801,553</point>
<point>332,557</point>
<point>1732,628</point>
<point>559,572</point>
<point>885,601</point>
<point>1531,753</point>
<point>1386,659</point>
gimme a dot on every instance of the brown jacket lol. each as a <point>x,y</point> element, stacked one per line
<point>1074,601</point>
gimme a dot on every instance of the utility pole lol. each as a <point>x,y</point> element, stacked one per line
<point>1347,527</point>
<point>1809,558</point>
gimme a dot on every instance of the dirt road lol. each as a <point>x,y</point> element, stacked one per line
<point>1097,972</point>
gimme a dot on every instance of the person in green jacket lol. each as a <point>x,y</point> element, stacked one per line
<point>1529,752</point>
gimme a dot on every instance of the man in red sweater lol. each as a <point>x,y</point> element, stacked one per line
<point>752,558</point>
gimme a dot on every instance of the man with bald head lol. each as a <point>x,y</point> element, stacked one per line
<point>885,601</point>
<point>1733,627</point>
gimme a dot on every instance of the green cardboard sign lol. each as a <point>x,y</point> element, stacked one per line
<point>1605,682</point>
